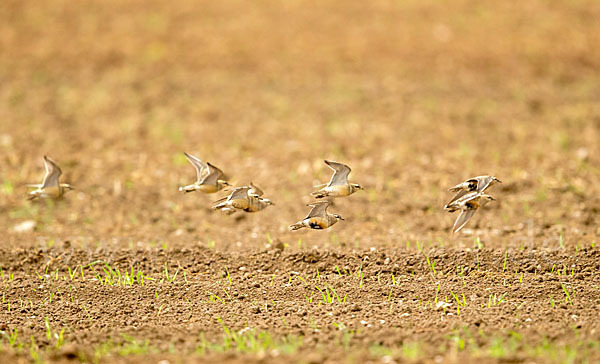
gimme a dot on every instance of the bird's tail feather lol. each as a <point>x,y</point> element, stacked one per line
<point>218,206</point>
<point>186,189</point>
<point>296,226</point>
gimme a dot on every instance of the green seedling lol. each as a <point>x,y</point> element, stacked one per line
<point>567,295</point>
<point>495,300</point>
<point>12,338</point>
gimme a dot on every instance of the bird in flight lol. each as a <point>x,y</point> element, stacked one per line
<point>318,217</point>
<point>209,179</point>
<point>246,198</point>
<point>476,184</point>
<point>338,185</point>
<point>50,186</point>
<point>468,205</point>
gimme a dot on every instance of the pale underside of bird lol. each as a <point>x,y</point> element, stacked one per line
<point>245,198</point>
<point>209,179</point>
<point>50,186</point>
<point>476,184</point>
<point>318,217</point>
<point>338,185</point>
<point>468,205</point>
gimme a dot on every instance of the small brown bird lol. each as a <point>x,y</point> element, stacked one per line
<point>50,187</point>
<point>245,198</point>
<point>256,203</point>
<point>338,185</point>
<point>468,205</point>
<point>237,199</point>
<point>475,184</point>
<point>318,217</point>
<point>209,178</point>
<point>253,190</point>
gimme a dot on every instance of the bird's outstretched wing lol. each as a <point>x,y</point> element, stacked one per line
<point>200,167</point>
<point>214,174</point>
<point>483,182</point>
<point>462,220</point>
<point>52,173</point>
<point>460,194</point>
<point>340,174</point>
<point>319,209</point>
<point>255,190</point>
<point>239,192</point>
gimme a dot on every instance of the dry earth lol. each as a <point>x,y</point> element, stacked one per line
<point>415,96</point>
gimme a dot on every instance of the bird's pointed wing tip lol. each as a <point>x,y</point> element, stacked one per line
<point>318,203</point>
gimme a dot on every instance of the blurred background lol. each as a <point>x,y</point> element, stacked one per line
<point>415,96</point>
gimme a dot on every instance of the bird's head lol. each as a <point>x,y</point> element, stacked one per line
<point>356,187</point>
<point>339,217</point>
<point>67,187</point>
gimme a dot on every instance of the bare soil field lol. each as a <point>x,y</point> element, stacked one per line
<point>416,96</point>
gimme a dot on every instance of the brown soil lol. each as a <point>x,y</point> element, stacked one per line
<point>415,96</point>
<point>392,301</point>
